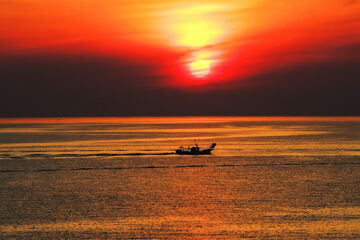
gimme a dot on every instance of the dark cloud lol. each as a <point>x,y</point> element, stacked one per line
<point>34,86</point>
<point>328,88</point>
<point>68,85</point>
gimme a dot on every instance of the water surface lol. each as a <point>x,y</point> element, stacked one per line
<point>268,178</point>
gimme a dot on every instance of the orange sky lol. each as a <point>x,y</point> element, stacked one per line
<point>186,43</point>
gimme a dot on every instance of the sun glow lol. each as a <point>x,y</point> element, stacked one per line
<point>197,28</point>
<point>197,32</point>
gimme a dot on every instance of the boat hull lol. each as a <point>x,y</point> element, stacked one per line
<point>195,150</point>
<point>203,152</point>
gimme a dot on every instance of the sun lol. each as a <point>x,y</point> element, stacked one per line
<point>200,68</point>
<point>197,28</point>
<point>201,62</point>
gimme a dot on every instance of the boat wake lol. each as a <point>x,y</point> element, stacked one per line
<point>180,166</point>
<point>74,155</point>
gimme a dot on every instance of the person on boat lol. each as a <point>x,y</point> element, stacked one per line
<point>195,148</point>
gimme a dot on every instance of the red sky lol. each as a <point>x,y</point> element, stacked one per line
<point>186,45</point>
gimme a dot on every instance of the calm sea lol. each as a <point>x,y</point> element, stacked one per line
<point>118,178</point>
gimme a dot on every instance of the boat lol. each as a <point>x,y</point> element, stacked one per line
<point>195,150</point>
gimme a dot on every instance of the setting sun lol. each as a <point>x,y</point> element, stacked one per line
<point>201,62</point>
<point>200,68</point>
<point>197,27</point>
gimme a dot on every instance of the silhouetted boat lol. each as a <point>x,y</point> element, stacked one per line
<point>195,150</point>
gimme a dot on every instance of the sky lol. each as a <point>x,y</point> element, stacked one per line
<point>176,57</point>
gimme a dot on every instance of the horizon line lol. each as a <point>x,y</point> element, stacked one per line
<point>206,118</point>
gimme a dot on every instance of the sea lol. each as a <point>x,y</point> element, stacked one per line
<point>119,178</point>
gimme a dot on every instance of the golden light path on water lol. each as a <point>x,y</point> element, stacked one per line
<point>118,178</point>
<point>197,28</point>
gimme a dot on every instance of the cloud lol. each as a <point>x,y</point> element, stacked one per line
<point>68,84</point>
<point>96,86</point>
